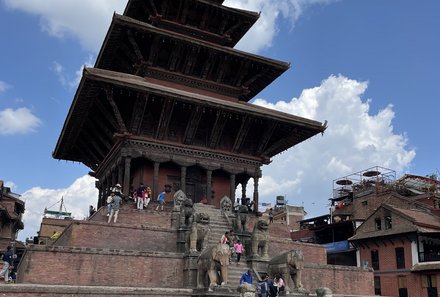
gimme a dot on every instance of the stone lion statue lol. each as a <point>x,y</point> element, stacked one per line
<point>198,238</point>
<point>226,204</point>
<point>289,264</point>
<point>179,197</point>
<point>260,240</point>
<point>186,213</point>
<point>241,218</point>
<point>214,261</point>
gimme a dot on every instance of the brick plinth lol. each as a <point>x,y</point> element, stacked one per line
<point>100,267</point>
<point>27,290</point>
<point>340,279</point>
<point>119,236</point>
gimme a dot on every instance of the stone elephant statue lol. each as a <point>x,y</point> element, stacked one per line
<point>290,265</point>
<point>214,261</point>
<point>260,240</point>
<point>198,238</point>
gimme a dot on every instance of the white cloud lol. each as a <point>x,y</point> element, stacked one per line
<point>260,36</point>
<point>354,140</point>
<point>65,79</point>
<point>3,86</point>
<point>77,198</point>
<point>18,121</point>
<point>83,19</point>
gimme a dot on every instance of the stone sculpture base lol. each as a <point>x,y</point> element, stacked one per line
<point>217,291</point>
<point>181,239</point>
<point>190,270</point>
<point>258,264</point>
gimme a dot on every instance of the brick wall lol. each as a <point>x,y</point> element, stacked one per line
<point>100,267</point>
<point>340,279</point>
<point>120,236</point>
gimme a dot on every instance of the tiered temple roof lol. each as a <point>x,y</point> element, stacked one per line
<point>168,87</point>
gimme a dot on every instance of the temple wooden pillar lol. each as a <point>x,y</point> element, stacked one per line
<point>243,192</point>
<point>126,188</point>
<point>120,173</point>
<point>256,179</point>
<point>156,179</point>
<point>208,186</point>
<point>232,185</point>
<point>183,178</point>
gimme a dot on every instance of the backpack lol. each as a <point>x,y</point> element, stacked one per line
<point>258,288</point>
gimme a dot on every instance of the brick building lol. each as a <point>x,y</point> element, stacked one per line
<point>403,247</point>
<point>11,211</point>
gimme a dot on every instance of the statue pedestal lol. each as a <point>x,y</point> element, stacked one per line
<point>175,217</point>
<point>258,264</point>
<point>190,270</point>
<point>217,291</point>
<point>181,239</point>
<point>298,293</point>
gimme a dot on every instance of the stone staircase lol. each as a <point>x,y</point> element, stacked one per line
<point>217,221</point>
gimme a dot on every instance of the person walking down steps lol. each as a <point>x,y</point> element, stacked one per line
<point>115,208</point>
<point>160,201</point>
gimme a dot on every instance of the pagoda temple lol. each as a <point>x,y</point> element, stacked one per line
<point>167,104</point>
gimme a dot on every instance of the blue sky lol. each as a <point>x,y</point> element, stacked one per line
<point>370,68</point>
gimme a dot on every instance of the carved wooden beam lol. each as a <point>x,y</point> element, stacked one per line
<point>208,64</point>
<point>135,46</point>
<point>244,69</point>
<point>119,120</point>
<point>205,17</point>
<point>191,60</point>
<point>154,50</point>
<point>136,64</point>
<point>183,11</point>
<point>138,112</point>
<point>217,130</point>
<point>153,6</point>
<point>88,152</point>
<point>233,28</point>
<point>175,56</point>
<point>255,77</point>
<point>224,65</point>
<point>105,111</point>
<point>164,7</point>
<point>93,143</point>
<point>242,133</point>
<point>102,128</point>
<point>264,140</point>
<point>193,123</point>
<point>283,142</point>
<point>104,136</point>
<point>165,117</point>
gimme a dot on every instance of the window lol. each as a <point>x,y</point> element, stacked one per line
<point>403,291</point>
<point>377,290</point>
<point>375,259</point>
<point>388,224</point>
<point>378,224</point>
<point>400,257</point>
<point>429,281</point>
